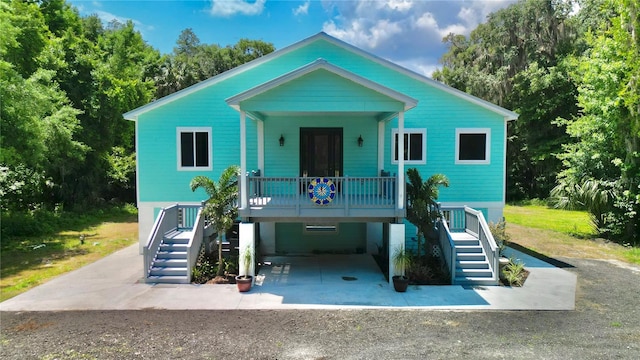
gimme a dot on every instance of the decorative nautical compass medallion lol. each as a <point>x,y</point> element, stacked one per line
<point>321,191</point>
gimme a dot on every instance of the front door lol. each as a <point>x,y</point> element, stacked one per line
<point>321,152</point>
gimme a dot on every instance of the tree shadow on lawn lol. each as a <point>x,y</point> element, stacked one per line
<point>555,262</point>
<point>38,252</point>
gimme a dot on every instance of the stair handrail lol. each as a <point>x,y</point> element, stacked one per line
<point>448,246</point>
<point>486,240</point>
<point>167,219</point>
<point>195,242</point>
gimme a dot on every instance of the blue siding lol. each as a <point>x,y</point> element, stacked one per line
<point>439,112</point>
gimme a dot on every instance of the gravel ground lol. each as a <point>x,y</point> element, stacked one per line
<point>605,325</point>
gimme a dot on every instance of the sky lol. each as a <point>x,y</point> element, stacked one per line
<point>407,32</point>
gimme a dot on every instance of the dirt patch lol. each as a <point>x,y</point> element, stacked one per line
<point>555,244</point>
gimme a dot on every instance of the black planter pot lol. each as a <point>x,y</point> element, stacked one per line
<point>400,283</point>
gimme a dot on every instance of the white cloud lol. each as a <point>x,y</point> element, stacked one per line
<point>404,31</point>
<point>227,8</point>
<point>302,9</point>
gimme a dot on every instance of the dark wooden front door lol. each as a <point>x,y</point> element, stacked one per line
<point>321,152</point>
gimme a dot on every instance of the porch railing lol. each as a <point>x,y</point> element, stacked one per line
<point>471,221</point>
<point>448,248</point>
<point>477,225</point>
<point>166,220</point>
<point>351,192</point>
<point>179,217</point>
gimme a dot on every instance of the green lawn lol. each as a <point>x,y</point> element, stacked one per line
<point>576,223</point>
<point>26,262</point>
<point>562,233</point>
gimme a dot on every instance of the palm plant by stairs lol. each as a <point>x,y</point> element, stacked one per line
<point>170,263</point>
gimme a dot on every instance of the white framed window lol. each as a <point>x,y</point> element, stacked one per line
<point>415,146</point>
<point>473,146</point>
<point>320,228</point>
<point>194,148</point>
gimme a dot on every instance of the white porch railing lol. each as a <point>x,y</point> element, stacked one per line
<point>448,249</point>
<point>292,193</point>
<point>175,217</point>
<point>166,220</point>
<point>477,225</point>
<point>471,221</point>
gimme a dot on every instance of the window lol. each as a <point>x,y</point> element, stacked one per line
<point>472,146</point>
<point>415,146</point>
<point>194,148</point>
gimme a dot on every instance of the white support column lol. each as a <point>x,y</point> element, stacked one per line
<point>260,144</point>
<point>243,160</point>
<point>396,242</point>
<point>247,239</point>
<point>400,160</point>
<point>381,146</point>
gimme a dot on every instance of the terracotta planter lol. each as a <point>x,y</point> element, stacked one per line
<point>244,283</point>
<point>400,283</point>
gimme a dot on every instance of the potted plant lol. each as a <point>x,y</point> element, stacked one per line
<point>244,281</point>
<point>402,262</point>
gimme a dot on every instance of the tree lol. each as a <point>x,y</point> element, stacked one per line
<point>221,206</point>
<point>606,156</point>
<point>515,60</point>
<point>422,207</point>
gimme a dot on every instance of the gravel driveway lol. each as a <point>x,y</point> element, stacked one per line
<point>605,325</point>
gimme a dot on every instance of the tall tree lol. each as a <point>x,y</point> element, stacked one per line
<point>606,156</point>
<point>515,60</point>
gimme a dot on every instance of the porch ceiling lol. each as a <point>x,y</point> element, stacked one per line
<point>321,88</point>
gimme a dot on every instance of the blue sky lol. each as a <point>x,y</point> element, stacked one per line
<point>408,32</point>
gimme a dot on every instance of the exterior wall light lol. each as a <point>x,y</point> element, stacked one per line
<point>360,141</point>
<point>281,140</point>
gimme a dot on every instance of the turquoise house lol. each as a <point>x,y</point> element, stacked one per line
<point>323,133</point>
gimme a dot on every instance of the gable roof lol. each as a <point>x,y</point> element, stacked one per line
<point>408,101</point>
<point>133,114</point>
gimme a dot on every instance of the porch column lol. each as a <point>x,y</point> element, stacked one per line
<point>247,239</point>
<point>260,144</point>
<point>243,159</point>
<point>401,160</point>
<point>381,147</point>
<point>396,242</point>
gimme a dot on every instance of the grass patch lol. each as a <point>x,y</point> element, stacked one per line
<point>554,232</point>
<point>26,262</point>
<point>575,223</point>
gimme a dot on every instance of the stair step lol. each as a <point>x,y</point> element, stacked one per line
<point>474,281</point>
<point>471,257</point>
<point>479,273</point>
<point>177,237</point>
<point>171,255</point>
<point>467,242</point>
<point>469,249</point>
<point>170,262</point>
<point>465,264</point>
<point>173,247</point>
<point>167,279</point>
<point>168,271</point>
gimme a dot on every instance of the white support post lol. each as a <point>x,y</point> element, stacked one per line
<point>400,160</point>
<point>243,159</point>
<point>381,146</point>
<point>247,239</point>
<point>396,243</point>
<point>260,144</point>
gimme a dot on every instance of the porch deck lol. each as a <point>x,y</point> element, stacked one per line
<point>362,198</point>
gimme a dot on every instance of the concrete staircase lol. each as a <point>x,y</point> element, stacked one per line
<point>170,263</point>
<point>472,266</point>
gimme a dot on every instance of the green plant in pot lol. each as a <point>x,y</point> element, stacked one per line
<point>244,281</point>
<point>402,262</point>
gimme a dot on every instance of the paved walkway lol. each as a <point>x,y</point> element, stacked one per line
<point>114,283</point>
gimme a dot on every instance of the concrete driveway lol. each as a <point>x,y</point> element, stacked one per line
<point>310,282</point>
